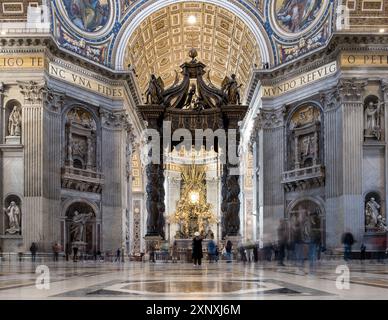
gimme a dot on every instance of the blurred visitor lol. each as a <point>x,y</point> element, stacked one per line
<point>282,241</point>
<point>348,241</point>
<point>211,249</point>
<point>228,249</point>
<point>33,250</point>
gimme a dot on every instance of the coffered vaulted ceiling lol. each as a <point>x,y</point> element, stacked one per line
<point>161,43</point>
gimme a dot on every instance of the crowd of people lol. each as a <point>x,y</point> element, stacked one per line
<point>294,246</point>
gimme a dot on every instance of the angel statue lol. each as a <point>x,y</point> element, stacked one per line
<point>155,90</point>
<point>190,96</point>
<point>231,89</point>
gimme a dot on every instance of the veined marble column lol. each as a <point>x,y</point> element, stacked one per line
<point>2,129</point>
<point>113,168</point>
<point>351,94</point>
<point>333,166</point>
<point>384,89</point>
<point>52,166</point>
<point>32,140</point>
<point>273,157</point>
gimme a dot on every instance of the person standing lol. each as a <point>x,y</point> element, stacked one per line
<point>362,252</point>
<point>56,250</point>
<point>197,249</point>
<point>33,250</point>
<point>174,252</point>
<point>118,255</point>
<point>211,249</point>
<point>282,241</point>
<point>75,253</point>
<point>314,244</point>
<point>348,241</point>
<point>299,245</point>
<point>229,248</point>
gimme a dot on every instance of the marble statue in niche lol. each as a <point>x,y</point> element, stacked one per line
<point>13,213</point>
<point>232,89</point>
<point>77,225</point>
<point>372,118</point>
<point>15,122</point>
<point>373,218</point>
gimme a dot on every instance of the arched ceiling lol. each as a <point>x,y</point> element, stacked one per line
<point>160,44</point>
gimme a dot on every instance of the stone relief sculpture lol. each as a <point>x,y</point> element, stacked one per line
<point>78,225</point>
<point>15,122</point>
<point>232,89</point>
<point>13,213</point>
<point>372,117</point>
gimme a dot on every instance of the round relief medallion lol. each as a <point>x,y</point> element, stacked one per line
<point>88,15</point>
<point>293,17</point>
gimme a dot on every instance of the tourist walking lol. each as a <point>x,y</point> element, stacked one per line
<point>211,249</point>
<point>228,249</point>
<point>56,250</point>
<point>314,244</point>
<point>348,241</point>
<point>282,241</point>
<point>75,254</point>
<point>299,245</point>
<point>197,249</point>
<point>174,252</point>
<point>33,250</point>
<point>118,255</point>
<point>241,250</point>
<point>152,252</point>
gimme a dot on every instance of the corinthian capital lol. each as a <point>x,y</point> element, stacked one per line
<point>53,100</point>
<point>269,119</point>
<point>32,91</point>
<point>330,99</point>
<point>116,120</point>
<point>351,89</point>
<point>384,88</point>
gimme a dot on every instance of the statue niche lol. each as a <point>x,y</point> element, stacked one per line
<point>81,226</point>
<point>304,145</point>
<point>81,140</point>
<point>305,221</point>
<point>373,115</point>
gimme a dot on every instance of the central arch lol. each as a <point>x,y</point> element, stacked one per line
<point>129,28</point>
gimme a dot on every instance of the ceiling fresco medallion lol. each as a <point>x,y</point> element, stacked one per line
<point>88,15</point>
<point>293,17</point>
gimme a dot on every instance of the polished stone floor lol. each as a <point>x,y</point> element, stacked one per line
<point>222,281</point>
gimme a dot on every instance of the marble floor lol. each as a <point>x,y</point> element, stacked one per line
<point>160,281</point>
